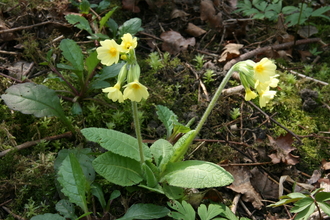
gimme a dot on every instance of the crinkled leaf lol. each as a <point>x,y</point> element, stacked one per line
<point>116,142</point>
<point>196,174</point>
<point>183,211</point>
<point>66,208</point>
<point>161,151</point>
<point>84,158</point>
<point>48,216</point>
<point>73,181</point>
<point>208,213</point>
<point>117,169</point>
<point>30,98</point>
<point>145,211</point>
<point>106,17</point>
<point>72,52</point>
<point>167,117</point>
<point>79,22</point>
<point>131,26</point>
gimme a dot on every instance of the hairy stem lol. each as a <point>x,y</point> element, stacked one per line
<point>138,130</point>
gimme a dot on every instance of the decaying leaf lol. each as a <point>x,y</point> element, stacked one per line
<point>307,31</point>
<point>194,30</point>
<point>208,14</point>
<point>283,146</point>
<point>325,165</point>
<point>267,188</point>
<point>131,5</point>
<point>174,42</point>
<point>243,185</point>
<point>176,13</point>
<point>231,51</point>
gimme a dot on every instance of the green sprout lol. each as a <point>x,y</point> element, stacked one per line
<point>235,113</point>
<point>199,60</point>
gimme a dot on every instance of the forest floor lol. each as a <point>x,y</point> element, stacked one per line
<point>270,151</point>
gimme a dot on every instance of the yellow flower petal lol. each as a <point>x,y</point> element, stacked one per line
<point>128,42</point>
<point>114,93</point>
<point>108,53</point>
<point>264,70</point>
<point>265,97</point>
<point>135,91</point>
<point>250,95</point>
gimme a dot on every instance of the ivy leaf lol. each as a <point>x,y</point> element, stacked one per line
<point>30,98</point>
<point>73,181</point>
<point>196,174</point>
<point>116,142</point>
<point>117,169</point>
<point>145,211</point>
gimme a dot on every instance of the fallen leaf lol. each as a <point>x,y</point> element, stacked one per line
<point>174,42</point>
<point>325,165</point>
<point>176,13</point>
<point>315,177</point>
<point>131,5</point>
<point>194,30</point>
<point>243,185</point>
<point>208,14</point>
<point>307,31</point>
<point>283,146</point>
<point>231,51</point>
<point>304,54</point>
<point>267,188</point>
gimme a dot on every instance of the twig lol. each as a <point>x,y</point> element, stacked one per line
<point>31,26</point>
<point>9,52</point>
<point>13,214</point>
<point>200,81</point>
<point>234,204</point>
<point>32,143</point>
<point>307,77</point>
<point>263,49</point>
<point>273,120</point>
<point>246,210</point>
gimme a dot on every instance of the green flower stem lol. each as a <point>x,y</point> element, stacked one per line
<point>138,130</point>
<point>214,99</point>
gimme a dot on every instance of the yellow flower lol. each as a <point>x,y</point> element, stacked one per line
<point>128,42</point>
<point>264,70</point>
<point>135,91</point>
<point>265,97</point>
<point>108,53</point>
<point>114,93</point>
<point>250,95</point>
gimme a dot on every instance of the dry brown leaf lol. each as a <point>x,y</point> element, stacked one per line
<point>5,36</point>
<point>267,188</point>
<point>174,42</point>
<point>194,30</point>
<point>176,13</point>
<point>325,165</point>
<point>283,146</point>
<point>307,31</point>
<point>304,54</point>
<point>208,14</point>
<point>131,5</point>
<point>243,185</point>
<point>231,51</point>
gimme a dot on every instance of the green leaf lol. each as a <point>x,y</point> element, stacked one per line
<point>196,174</point>
<point>110,71</point>
<point>79,22</point>
<point>295,195</point>
<point>181,146</point>
<point>106,17</point>
<point>210,212</point>
<point>73,181</point>
<point>117,169</point>
<point>84,6</point>
<point>322,196</point>
<point>161,151</point>
<point>227,212</point>
<point>131,26</point>
<point>103,5</point>
<point>66,208</point>
<point>96,191</point>
<point>48,216</point>
<point>115,194</point>
<point>116,142</point>
<point>30,98</point>
<point>302,204</point>
<point>167,117</point>
<point>84,158</point>
<point>304,214</point>
<point>149,176</point>
<point>145,211</point>
<point>173,192</point>
<point>72,52</point>
<point>91,62</point>
<point>184,211</point>
<point>325,207</point>
<point>320,11</point>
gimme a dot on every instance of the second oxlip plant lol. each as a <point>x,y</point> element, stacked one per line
<point>159,167</point>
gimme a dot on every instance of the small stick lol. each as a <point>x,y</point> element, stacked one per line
<point>235,203</point>
<point>200,81</point>
<point>13,214</point>
<point>32,143</point>
<point>246,210</point>
<point>28,27</point>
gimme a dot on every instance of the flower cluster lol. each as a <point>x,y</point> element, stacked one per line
<point>259,77</point>
<point>109,53</point>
